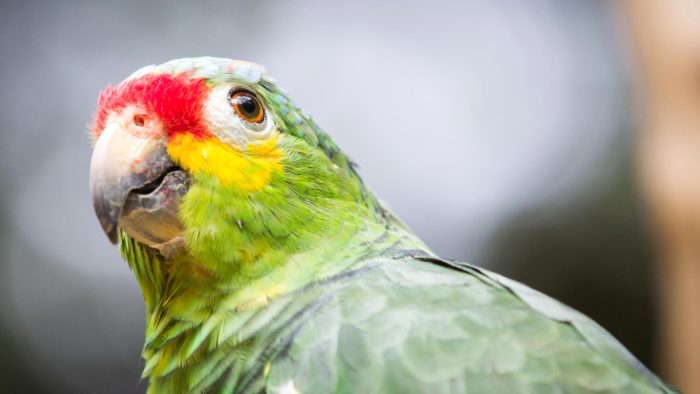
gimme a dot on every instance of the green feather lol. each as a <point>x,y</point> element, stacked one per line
<point>311,284</point>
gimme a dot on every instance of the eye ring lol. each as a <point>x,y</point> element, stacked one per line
<point>247,106</point>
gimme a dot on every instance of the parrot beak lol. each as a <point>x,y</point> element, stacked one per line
<point>134,184</point>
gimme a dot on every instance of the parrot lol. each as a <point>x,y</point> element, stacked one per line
<point>266,263</point>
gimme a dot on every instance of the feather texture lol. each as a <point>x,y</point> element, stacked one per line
<point>307,283</point>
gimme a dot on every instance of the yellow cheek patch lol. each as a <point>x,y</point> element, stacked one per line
<point>248,170</point>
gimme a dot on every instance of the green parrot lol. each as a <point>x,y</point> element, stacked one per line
<point>267,265</point>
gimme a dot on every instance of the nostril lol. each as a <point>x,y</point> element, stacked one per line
<point>139,120</point>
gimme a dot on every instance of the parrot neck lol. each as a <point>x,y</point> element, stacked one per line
<point>191,302</point>
<point>255,248</point>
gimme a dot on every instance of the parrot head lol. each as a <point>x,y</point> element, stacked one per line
<point>210,157</point>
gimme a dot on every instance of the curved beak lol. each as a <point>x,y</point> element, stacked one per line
<point>123,161</point>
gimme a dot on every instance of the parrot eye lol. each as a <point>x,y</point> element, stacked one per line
<point>237,115</point>
<point>247,106</point>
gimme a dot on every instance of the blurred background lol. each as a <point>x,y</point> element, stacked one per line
<point>506,133</point>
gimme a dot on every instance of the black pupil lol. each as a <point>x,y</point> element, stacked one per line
<point>247,105</point>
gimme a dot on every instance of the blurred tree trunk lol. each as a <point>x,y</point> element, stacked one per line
<point>667,35</point>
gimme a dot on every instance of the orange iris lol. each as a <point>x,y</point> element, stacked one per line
<point>247,106</point>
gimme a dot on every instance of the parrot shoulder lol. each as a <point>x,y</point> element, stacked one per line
<point>422,324</point>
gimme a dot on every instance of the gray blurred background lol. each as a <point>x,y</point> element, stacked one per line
<point>499,130</point>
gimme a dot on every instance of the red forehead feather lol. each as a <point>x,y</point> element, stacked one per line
<point>176,100</point>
